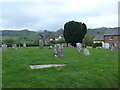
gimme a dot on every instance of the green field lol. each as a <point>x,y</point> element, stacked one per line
<point>99,70</point>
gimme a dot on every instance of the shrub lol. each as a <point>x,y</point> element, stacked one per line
<point>60,41</point>
<point>94,45</point>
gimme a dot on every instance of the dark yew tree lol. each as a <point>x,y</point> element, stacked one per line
<point>74,32</point>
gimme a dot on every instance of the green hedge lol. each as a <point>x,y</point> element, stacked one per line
<point>94,45</point>
<point>21,44</point>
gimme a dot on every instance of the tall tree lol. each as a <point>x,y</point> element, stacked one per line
<point>74,32</point>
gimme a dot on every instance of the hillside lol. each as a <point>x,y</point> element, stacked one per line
<point>26,35</point>
<point>23,34</point>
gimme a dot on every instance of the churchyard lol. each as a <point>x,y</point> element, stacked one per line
<point>99,69</point>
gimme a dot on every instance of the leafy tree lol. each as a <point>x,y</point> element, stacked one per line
<point>60,41</point>
<point>74,32</point>
<point>88,40</point>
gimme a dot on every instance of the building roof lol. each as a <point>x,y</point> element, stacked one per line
<point>98,37</point>
<point>112,31</point>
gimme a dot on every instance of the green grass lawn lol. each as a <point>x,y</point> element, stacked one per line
<point>99,70</point>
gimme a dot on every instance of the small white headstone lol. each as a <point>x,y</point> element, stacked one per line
<point>24,44</point>
<point>50,47</point>
<point>4,47</point>
<point>79,47</point>
<point>86,51</point>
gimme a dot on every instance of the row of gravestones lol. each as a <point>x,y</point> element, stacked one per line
<point>58,50</point>
<point>14,46</point>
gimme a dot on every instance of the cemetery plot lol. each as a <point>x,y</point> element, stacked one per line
<point>98,70</point>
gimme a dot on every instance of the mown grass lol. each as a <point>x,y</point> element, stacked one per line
<point>99,70</point>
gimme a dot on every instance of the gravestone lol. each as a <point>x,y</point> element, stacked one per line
<point>19,45</point>
<point>79,47</point>
<point>58,50</point>
<point>61,50</point>
<point>86,51</point>
<point>83,45</point>
<point>4,47</point>
<point>113,49</point>
<point>14,46</point>
<point>24,44</point>
<point>41,44</point>
<point>50,47</point>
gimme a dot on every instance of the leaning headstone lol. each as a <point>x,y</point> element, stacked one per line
<point>41,44</point>
<point>4,47</point>
<point>58,50</point>
<point>113,49</point>
<point>79,47</point>
<point>24,44</point>
<point>14,46</point>
<point>86,51</point>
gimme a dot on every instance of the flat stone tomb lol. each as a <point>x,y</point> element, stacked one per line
<point>45,66</point>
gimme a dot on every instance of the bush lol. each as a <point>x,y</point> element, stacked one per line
<point>94,45</point>
<point>60,41</point>
<point>32,44</point>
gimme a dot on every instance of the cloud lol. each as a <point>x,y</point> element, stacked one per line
<point>52,14</point>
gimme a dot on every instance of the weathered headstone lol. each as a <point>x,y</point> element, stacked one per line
<point>41,44</point>
<point>4,47</point>
<point>58,50</point>
<point>61,50</point>
<point>19,45</point>
<point>83,45</point>
<point>79,47</point>
<point>113,49</point>
<point>86,51</point>
<point>50,47</point>
<point>24,44</point>
<point>14,46</point>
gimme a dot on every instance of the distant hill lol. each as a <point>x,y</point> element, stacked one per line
<point>14,34</point>
<point>25,34</point>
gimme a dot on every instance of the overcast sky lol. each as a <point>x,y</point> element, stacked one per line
<point>53,14</point>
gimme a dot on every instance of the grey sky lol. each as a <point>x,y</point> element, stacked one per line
<point>53,14</point>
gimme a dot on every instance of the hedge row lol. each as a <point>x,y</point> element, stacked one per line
<point>94,45</point>
<point>21,44</point>
<point>27,44</point>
